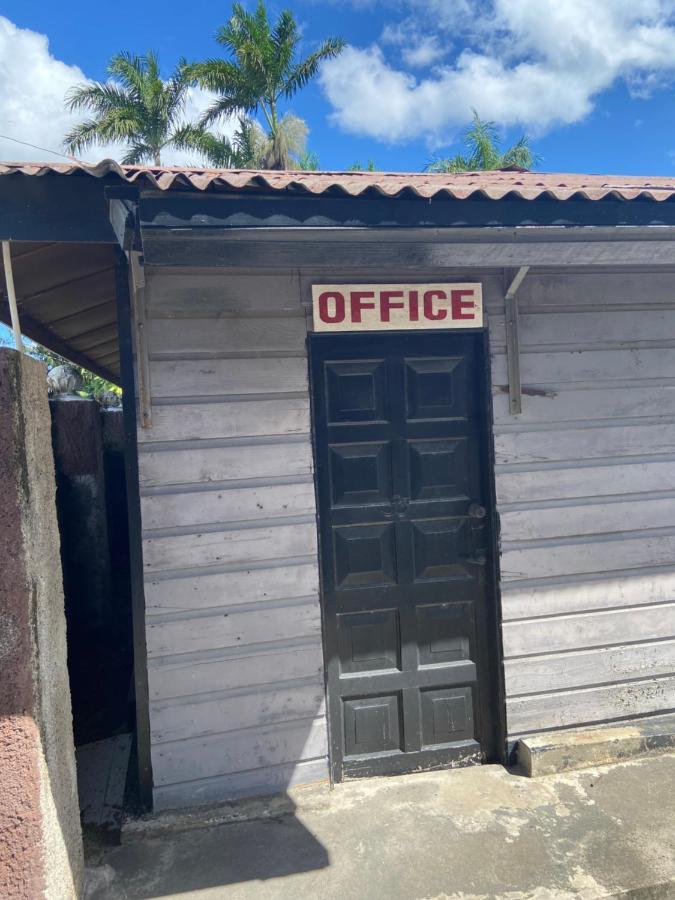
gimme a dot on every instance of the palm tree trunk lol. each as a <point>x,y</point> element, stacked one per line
<point>158,158</point>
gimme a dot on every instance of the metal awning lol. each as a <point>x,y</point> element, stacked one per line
<point>66,301</point>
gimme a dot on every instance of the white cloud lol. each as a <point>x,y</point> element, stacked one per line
<point>530,64</point>
<point>418,51</point>
<point>33,85</point>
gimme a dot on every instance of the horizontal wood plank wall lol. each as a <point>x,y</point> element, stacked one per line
<point>586,494</point>
<point>585,488</point>
<point>229,540</point>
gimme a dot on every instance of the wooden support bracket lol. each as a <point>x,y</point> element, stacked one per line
<point>140,337</point>
<point>513,342</point>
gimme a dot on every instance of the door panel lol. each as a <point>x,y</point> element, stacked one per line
<point>404,549</point>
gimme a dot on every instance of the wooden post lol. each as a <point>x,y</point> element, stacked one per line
<point>11,295</point>
<point>140,338</point>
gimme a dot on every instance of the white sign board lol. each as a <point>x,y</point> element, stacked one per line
<point>396,307</point>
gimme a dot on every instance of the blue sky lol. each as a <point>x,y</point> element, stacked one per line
<point>592,82</point>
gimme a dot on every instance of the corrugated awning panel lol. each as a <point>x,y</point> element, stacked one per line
<point>66,301</point>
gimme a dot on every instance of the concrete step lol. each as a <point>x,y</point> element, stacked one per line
<point>579,748</point>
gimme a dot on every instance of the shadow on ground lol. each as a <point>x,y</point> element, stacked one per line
<point>479,832</point>
<point>203,858</point>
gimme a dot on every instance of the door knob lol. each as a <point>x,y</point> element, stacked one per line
<point>476,511</point>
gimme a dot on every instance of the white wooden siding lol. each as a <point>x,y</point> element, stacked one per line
<point>233,624</point>
<point>585,480</point>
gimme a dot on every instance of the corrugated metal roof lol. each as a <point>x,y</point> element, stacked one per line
<point>494,185</point>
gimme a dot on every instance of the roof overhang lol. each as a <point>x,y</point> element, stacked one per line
<point>65,224</point>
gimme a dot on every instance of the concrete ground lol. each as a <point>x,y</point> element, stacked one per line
<point>470,833</point>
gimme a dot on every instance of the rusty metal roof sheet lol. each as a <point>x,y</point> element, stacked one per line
<point>494,185</point>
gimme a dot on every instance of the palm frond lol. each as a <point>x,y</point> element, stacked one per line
<point>217,150</point>
<point>302,73</point>
<point>130,69</point>
<point>287,144</point>
<point>138,153</point>
<point>99,98</point>
<point>81,136</point>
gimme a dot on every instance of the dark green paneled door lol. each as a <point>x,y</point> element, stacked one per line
<point>405,549</point>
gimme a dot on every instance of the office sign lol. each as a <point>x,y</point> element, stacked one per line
<point>396,307</point>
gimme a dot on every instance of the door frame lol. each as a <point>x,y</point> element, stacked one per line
<point>492,654</point>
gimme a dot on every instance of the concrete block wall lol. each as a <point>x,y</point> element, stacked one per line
<point>40,839</point>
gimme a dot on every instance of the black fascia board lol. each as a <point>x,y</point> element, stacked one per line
<point>55,207</point>
<point>219,210</point>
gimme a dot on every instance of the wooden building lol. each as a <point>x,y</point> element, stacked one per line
<point>400,539</point>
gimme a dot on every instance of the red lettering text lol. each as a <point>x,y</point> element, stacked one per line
<point>358,304</point>
<point>338,314</point>
<point>386,305</point>
<point>429,311</point>
<point>459,305</point>
<point>414,306</point>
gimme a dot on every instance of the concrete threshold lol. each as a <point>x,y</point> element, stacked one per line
<point>579,748</point>
<point>304,798</point>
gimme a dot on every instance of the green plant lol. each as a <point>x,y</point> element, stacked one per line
<point>92,385</point>
<point>261,70</point>
<point>357,167</point>
<point>308,161</point>
<point>242,151</point>
<point>136,107</point>
<point>483,151</point>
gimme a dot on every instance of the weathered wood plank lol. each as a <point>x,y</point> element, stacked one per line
<point>587,405</point>
<point>264,707</point>
<point>584,443</point>
<point>569,367</point>
<point>228,547</point>
<point>595,556</point>
<point>578,669</point>
<point>216,464</point>
<point>597,704</point>
<point>226,335</point>
<point>623,590</point>
<point>215,248</point>
<point>614,327</point>
<point>591,289</point>
<point>591,518</point>
<point>194,294</point>
<point>585,481</point>
<point>195,421</point>
<point>233,629</point>
<point>213,377</point>
<point>231,588</point>
<point>186,679</point>
<point>267,780</point>
<point>233,505</point>
<point>593,629</point>
<point>211,755</point>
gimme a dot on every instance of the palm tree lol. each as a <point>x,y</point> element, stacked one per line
<point>244,150</point>
<point>309,161</point>
<point>482,143</point>
<point>262,70</point>
<point>135,107</point>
